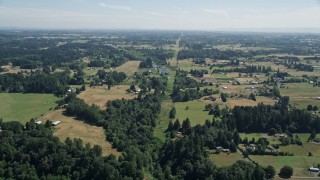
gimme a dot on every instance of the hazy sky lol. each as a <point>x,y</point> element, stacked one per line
<point>160,14</point>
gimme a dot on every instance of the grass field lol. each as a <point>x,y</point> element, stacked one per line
<point>195,112</point>
<point>100,95</point>
<point>23,107</point>
<point>300,164</point>
<point>163,120</point>
<point>225,159</point>
<point>301,94</point>
<point>70,127</point>
<point>129,67</point>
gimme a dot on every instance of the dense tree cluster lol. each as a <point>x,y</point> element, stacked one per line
<point>198,73</point>
<point>191,94</point>
<point>81,110</point>
<point>264,117</point>
<point>34,153</point>
<point>110,78</point>
<point>37,82</point>
<point>246,69</point>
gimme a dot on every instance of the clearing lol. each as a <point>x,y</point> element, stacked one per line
<point>23,107</point>
<point>225,159</point>
<point>130,67</point>
<point>70,127</point>
<point>100,95</point>
<point>194,110</point>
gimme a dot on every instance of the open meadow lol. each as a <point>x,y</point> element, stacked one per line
<point>100,95</point>
<point>194,110</point>
<point>301,94</point>
<point>70,127</point>
<point>225,159</point>
<point>23,107</point>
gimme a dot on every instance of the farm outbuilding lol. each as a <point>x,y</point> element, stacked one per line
<point>54,123</point>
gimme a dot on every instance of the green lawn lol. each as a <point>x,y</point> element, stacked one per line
<point>23,107</point>
<point>195,112</point>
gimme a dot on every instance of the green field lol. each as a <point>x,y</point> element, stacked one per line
<point>195,112</point>
<point>163,120</point>
<point>225,159</point>
<point>301,94</point>
<point>23,107</point>
<point>300,164</point>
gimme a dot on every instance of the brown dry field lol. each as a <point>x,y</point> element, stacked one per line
<point>100,95</point>
<point>129,67</point>
<point>245,80</point>
<point>70,127</point>
<point>246,102</point>
<point>14,69</point>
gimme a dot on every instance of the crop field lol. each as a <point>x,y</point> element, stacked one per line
<point>194,110</point>
<point>23,107</point>
<point>130,67</point>
<point>225,159</point>
<point>70,127</point>
<point>100,95</point>
<point>301,94</point>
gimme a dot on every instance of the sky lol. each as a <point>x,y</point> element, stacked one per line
<point>160,14</point>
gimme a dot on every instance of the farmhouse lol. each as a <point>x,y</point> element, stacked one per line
<point>318,98</point>
<point>251,147</point>
<point>224,87</point>
<point>54,123</point>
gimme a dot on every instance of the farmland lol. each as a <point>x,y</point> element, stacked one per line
<point>72,128</point>
<point>23,107</point>
<point>129,67</point>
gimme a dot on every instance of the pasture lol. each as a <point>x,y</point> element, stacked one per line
<point>194,110</point>
<point>225,159</point>
<point>70,127</point>
<point>100,95</point>
<point>301,94</point>
<point>130,67</point>
<point>23,107</point>
<point>300,164</point>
